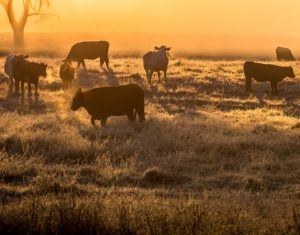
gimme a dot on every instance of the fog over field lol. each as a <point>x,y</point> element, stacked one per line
<point>205,46</point>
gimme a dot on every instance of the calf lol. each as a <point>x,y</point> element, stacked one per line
<point>156,61</point>
<point>105,102</point>
<point>67,74</point>
<point>266,73</point>
<point>28,72</point>
<point>89,50</point>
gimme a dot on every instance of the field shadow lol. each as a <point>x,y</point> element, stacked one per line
<point>89,79</point>
<point>110,77</point>
<point>177,94</point>
<point>23,105</point>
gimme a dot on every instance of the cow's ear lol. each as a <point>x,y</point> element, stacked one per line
<point>168,48</point>
<point>156,48</point>
<point>26,56</point>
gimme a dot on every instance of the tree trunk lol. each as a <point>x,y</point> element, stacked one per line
<point>18,37</point>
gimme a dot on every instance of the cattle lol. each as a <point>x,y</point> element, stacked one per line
<point>266,73</point>
<point>9,67</point>
<point>67,74</point>
<point>156,61</point>
<point>28,72</point>
<point>284,54</point>
<point>102,103</point>
<point>89,50</point>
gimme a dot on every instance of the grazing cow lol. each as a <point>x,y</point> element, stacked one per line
<point>67,74</point>
<point>28,72</point>
<point>156,61</point>
<point>265,73</point>
<point>105,102</point>
<point>89,50</point>
<point>9,67</point>
<point>284,54</point>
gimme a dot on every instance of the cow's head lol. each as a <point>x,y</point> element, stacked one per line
<point>43,69</point>
<point>291,73</point>
<point>77,101</point>
<point>164,49</point>
<point>20,58</point>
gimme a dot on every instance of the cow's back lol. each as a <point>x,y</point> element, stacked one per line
<point>113,100</point>
<point>284,54</point>
<point>264,72</point>
<point>89,50</point>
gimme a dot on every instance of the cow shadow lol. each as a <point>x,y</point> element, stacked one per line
<point>23,104</point>
<point>110,77</point>
<point>89,79</point>
<point>178,95</point>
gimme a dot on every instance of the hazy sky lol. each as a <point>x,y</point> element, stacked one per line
<point>265,17</point>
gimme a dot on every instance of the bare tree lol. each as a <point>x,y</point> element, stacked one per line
<point>30,8</point>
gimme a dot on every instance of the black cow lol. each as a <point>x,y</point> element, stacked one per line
<point>266,73</point>
<point>28,72</point>
<point>89,50</point>
<point>284,54</point>
<point>105,102</point>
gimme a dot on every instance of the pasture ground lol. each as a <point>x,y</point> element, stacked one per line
<point>210,158</point>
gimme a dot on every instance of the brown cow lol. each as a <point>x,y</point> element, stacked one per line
<point>105,102</point>
<point>266,73</point>
<point>89,50</point>
<point>28,72</point>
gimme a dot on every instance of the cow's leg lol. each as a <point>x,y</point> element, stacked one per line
<point>158,74</point>
<point>272,88</point>
<point>17,87</point>
<point>103,121</point>
<point>276,88</point>
<point>107,63</point>
<point>78,64</point>
<point>248,84</point>
<point>11,84</point>
<point>150,75</point>
<point>131,116</point>
<point>140,109</point>
<point>93,119</point>
<point>22,88</point>
<point>83,64</point>
<point>36,86</point>
<point>165,74</point>
<point>29,89</point>
<point>101,62</point>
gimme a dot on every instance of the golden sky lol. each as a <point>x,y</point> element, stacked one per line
<point>264,17</point>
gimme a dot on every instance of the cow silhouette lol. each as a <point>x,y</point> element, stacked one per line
<point>266,73</point>
<point>284,54</point>
<point>89,50</point>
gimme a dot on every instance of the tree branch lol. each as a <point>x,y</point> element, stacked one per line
<point>4,3</point>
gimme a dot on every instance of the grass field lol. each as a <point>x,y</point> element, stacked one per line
<point>210,158</point>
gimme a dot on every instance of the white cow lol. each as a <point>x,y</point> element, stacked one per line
<point>9,68</point>
<point>156,61</point>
